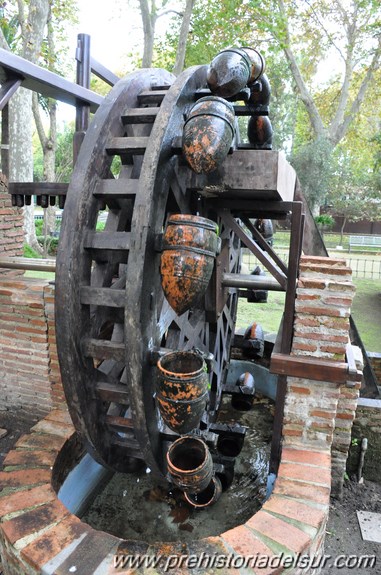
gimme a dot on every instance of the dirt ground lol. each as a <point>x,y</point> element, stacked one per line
<point>343,532</point>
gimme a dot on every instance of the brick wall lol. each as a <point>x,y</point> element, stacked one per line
<point>11,228</point>
<point>29,373</point>
<point>320,414</point>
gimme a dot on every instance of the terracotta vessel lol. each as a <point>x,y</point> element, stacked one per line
<point>208,496</point>
<point>187,260</point>
<point>208,134</point>
<point>260,132</point>
<point>182,375</point>
<point>190,465</point>
<point>229,72</point>
<point>244,397</point>
<point>182,415</point>
<point>257,64</point>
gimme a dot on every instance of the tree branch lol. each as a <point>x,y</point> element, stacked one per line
<point>313,112</point>
<point>342,128</point>
<point>38,121</point>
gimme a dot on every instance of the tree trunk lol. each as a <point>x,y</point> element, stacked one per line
<point>342,230</point>
<point>184,31</point>
<point>149,21</point>
<point>21,154</point>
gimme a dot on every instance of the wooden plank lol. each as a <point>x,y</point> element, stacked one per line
<point>152,96</point>
<point>103,73</point>
<point>38,188</point>
<point>116,189</point>
<point>264,245</point>
<point>118,423</point>
<point>113,392</point>
<point>254,248</point>
<point>107,240</point>
<point>128,447</point>
<point>140,116</point>
<point>103,296</point>
<point>45,82</point>
<point>28,264</point>
<point>103,349</point>
<point>312,368</point>
<point>128,145</point>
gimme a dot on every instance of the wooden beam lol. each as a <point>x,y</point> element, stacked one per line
<point>28,264</point>
<point>313,368</point>
<point>254,248</point>
<point>7,90</point>
<point>46,83</point>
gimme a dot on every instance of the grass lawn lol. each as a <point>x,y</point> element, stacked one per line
<point>366,311</point>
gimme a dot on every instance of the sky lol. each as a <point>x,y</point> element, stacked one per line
<point>114,33</point>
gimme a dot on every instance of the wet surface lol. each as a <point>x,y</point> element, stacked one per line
<point>136,506</point>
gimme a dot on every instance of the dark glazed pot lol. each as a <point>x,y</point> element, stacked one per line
<point>187,260</point>
<point>182,415</point>
<point>257,64</point>
<point>208,134</point>
<point>229,72</point>
<point>205,498</point>
<point>182,375</point>
<point>244,397</point>
<point>260,132</point>
<point>190,464</point>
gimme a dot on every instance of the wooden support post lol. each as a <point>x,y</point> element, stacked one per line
<point>83,79</point>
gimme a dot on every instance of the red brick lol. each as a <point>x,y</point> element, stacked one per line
<point>26,499</point>
<point>24,477</point>
<point>301,390</point>
<point>301,472</point>
<point>320,458</point>
<point>311,283</point>
<point>33,521</point>
<point>53,541</point>
<point>245,544</point>
<point>321,310</point>
<point>301,490</point>
<point>307,321</point>
<point>322,414</point>
<point>41,441</point>
<point>340,349</point>
<point>291,431</point>
<point>53,427</point>
<point>294,509</point>
<point>303,346</point>
<point>343,415</point>
<point>30,458</point>
<point>59,415</point>
<point>279,531</point>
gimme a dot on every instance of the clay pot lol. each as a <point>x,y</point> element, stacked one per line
<point>260,132</point>
<point>208,496</point>
<point>190,465</point>
<point>244,397</point>
<point>187,260</point>
<point>182,375</point>
<point>260,92</point>
<point>229,72</point>
<point>257,64</point>
<point>182,415</point>
<point>208,134</point>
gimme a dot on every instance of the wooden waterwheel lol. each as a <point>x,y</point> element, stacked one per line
<point>112,318</point>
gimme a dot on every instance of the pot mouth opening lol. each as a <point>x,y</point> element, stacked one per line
<point>181,363</point>
<point>187,455</point>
